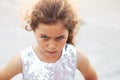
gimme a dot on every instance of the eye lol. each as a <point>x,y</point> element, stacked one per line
<point>44,37</point>
<point>60,38</point>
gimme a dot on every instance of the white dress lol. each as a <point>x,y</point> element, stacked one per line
<point>35,69</point>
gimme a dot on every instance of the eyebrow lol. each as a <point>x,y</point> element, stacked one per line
<point>60,36</point>
<point>55,37</point>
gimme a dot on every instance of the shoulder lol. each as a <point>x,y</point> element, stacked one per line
<point>27,54</point>
<point>15,62</point>
<point>12,68</point>
<point>70,47</point>
<point>82,59</point>
<point>80,54</point>
<point>84,66</point>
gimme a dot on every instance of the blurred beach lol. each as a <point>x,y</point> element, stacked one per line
<point>98,36</point>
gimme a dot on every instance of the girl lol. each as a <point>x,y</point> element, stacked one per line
<point>54,57</point>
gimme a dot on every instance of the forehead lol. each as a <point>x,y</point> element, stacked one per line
<point>52,29</point>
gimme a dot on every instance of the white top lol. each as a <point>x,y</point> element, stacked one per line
<point>63,69</point>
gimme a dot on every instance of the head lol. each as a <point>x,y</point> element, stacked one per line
<point>54,24</point>
<point>52,11</point>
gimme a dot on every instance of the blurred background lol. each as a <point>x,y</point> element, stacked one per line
<point>98,36</point>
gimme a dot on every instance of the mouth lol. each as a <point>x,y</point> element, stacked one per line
<point>51,52</point>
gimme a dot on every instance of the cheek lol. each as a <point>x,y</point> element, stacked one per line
<point>42,46</point>
<point>61,44</point>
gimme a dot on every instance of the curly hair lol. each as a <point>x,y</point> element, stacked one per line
<point>50,11</point>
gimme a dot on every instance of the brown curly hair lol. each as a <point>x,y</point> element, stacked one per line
<point>50,11</point>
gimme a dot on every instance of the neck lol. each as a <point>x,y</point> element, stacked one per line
<point>44,58</point>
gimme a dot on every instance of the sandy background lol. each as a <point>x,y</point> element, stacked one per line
<point>99,36</point>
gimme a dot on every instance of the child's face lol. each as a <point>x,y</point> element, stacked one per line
<point>51,39</point>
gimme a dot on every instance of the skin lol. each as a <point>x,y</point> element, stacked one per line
<point>51,39</point>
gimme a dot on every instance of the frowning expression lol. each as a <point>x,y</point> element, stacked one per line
<point>51,38</point>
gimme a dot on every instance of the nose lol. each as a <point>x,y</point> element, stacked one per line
<point>52,45</point>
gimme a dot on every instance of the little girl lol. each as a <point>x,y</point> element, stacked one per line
<point>54,57</point>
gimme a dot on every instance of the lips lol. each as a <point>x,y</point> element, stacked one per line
<point>51,52</point>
